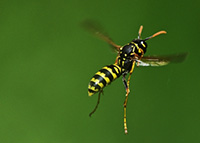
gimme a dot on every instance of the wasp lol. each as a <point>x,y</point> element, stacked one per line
<point>128,56</point>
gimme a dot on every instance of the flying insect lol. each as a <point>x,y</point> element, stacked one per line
<point>128,56</point>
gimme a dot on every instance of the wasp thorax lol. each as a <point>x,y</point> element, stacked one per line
<point>127,50</point>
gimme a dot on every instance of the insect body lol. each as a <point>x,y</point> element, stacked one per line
<point>103,77</point>
<point>128,56</point>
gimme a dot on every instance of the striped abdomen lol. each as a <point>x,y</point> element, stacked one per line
<point>103,77</point>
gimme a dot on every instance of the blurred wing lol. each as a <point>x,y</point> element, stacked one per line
<point>161,60</point>
<point>97,30</point>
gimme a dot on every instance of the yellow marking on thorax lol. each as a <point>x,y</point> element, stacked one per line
<point>119,61</point>
<point>136,45</point>
<point>122,63</point>
<point>133,47</point>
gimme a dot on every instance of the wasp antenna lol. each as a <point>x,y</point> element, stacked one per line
<point>156,34</point>
<point>140,31</point>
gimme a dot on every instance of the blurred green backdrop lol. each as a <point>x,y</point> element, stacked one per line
<point>47,60</point>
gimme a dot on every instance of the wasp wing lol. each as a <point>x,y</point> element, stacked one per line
<point>96,29</point>
<point>161,60</point>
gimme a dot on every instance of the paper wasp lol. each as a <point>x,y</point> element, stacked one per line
<point>128,56</point>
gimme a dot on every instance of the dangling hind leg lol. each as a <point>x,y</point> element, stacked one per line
<point>126,84</point>
<point>98,101</point>
<point>125,102</point>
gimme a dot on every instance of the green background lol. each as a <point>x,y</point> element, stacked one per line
<point>47,60</point>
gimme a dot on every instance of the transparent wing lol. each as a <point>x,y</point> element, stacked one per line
<point>161,60</point>
<point>97,30</point>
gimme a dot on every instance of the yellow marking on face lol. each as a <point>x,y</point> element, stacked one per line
<point>140,50</point>
<point>143,44</point>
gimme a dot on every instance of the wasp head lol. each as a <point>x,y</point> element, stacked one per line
<point>141,44</point>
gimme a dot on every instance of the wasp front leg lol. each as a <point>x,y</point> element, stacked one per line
<point>131,71</point>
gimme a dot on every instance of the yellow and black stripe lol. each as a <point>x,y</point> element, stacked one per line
<point>103,77</point>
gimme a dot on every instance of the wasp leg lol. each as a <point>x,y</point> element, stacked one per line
<point>125,102</point>
<point>131,71</point>
<point>98,101</point>
<point>126,84</point>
